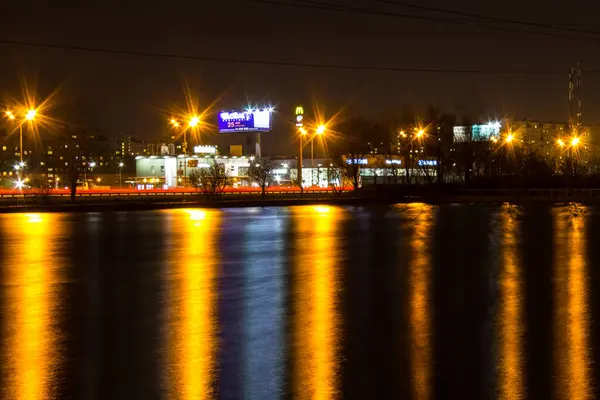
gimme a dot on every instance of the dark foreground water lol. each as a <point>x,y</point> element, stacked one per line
<point>316,302</point>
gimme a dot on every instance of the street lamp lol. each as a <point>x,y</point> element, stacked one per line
<point>303,133</point>
<point>90,165</point>
<point>575,141</point>
<point>319,131</point>
<point>193,123</point>
<point>120,170</point>
<point>29,116</point>
<point>560,143</point>
<point>509,138</point>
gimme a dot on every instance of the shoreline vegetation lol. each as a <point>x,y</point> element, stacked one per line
<point>374,195</point>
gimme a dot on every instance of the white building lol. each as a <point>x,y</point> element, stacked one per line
<point>167,171</point>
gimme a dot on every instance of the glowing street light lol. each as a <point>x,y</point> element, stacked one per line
<point>194,121</point>
<point>92,164</point>
<point>319,131</point>
<point>174,122</point>
<point>509,138</point>
<point>120,170</point>
<point>575,141</point>
<point>420,133</point>
<point>560,142</point>
<point>303,133</point>
<point>30,116</point>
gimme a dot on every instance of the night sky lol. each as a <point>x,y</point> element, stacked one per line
<point>120,94</point>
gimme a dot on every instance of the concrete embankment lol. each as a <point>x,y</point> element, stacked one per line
<point>157,204</point>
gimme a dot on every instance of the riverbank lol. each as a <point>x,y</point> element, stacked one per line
<point>135,205</point>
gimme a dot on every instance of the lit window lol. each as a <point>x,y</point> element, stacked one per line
<point>61,157</point>
<point>4,173</point>
<point>10,173</point>
<point>50,152</point>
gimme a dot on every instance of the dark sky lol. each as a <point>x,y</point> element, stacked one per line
<point>123,94</point>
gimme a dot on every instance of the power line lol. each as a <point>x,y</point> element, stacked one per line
<point>488,18</point>
<point>281,63</point>
<point>315,5</point>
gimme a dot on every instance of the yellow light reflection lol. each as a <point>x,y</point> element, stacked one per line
<point>196,215</point>
<point>321,209</point>
<point>315,298</point>
<point>193,342</point>
<point>510,319</point>
<point>420,299</point>
<point>32,341</point>
<point>572,319</point>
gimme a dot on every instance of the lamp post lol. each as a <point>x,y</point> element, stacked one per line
<point>28,117</point>
<point>302,134</point>
<point>120,169</point>
<point>320,130</point>
<point>91,166</point>
<point>193,123</point>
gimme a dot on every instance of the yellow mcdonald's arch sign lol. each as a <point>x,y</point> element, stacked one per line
<point>299,110</point>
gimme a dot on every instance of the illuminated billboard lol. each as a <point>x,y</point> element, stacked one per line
<point>479,133</point>
<point>245,121</point>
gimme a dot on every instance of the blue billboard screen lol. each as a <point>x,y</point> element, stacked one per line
<point>245,121</point>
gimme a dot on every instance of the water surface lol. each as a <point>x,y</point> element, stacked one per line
<point>312,302</point>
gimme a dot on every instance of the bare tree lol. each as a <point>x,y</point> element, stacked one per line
<point>210,181</point>
<point>336,177</point>
<point>358,132</point>
<point>352,168</point>
<point>261,172</point>
<point>295,178</point>
<point>393,165</point>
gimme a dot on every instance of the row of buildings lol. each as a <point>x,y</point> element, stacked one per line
<point>52,159</point>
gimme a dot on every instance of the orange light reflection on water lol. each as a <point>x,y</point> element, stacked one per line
<point>420,318</point>
<point>510,319</point>
<point>32,349</point>
<point>315,297</point>
<point>192,343</point>
<point>572,314</point>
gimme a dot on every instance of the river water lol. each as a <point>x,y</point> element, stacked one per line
<point>312,302</point>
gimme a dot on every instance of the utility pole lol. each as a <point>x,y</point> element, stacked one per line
<point>575,99</point>
<point>300,125</point>
<point>300,160</point>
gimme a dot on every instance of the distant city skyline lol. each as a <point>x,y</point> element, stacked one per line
<point>118,93</point>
